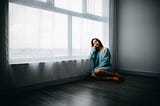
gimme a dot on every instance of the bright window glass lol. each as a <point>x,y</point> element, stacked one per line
<point>42,0</point>
<point>73,5</point>
<point>94,7</point>
<point>82,33</point>
<point>41,32</point>
<point>36,33</point>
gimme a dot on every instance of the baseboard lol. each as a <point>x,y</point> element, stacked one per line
<point>43,85</point>
<point>151,74</point>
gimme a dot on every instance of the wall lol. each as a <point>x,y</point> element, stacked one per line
<point>139,35</point>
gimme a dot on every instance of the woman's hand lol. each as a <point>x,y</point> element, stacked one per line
<point>94,49</point>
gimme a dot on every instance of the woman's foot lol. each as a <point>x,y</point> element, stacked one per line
<point>93,74</point>
<point>119,76</point>
<point>115,78</point>
<point>115,73</point>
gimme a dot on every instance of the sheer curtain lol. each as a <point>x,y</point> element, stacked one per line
<point>42,0</point>
<point>94,7</point>
<point>113,38</point>
<point>84,29</point>
<point>36,34</point>
<point>63,32</point>
<point>82,33</point>
<point>5,75</point>
<point>73,5</point>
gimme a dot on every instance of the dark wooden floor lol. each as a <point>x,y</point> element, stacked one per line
<point>133,91</point>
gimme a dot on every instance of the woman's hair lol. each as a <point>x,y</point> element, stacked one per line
<point>97,40</point>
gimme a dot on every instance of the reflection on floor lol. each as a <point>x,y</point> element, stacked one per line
<point>133,91</point>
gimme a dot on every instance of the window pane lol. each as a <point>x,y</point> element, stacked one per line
<point>35,33</point>
<point>82,33</point>
<point>42,0</point>
<point>73,5</point>
<point>94,7</point>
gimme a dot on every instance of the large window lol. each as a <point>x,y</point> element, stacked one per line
<point>94,7</point>
<point>83,30</point>
<point>73,5</point>
<point>42,0</point>
<point>54,29</point>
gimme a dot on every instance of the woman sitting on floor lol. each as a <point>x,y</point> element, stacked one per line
<point>101,58</point>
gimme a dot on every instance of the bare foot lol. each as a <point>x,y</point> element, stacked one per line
<point>118,75</point>
<point>93,75</point>
<point>115,78</point>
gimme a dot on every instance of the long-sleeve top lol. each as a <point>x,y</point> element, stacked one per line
<point>101,59</point>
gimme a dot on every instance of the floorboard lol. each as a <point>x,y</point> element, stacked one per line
<point>133,91</point>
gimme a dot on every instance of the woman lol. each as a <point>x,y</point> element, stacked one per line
<point>101,58</point>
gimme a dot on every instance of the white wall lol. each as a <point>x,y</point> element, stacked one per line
<point>139,35</point>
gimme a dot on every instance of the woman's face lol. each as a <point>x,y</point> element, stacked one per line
<point>96,43</point>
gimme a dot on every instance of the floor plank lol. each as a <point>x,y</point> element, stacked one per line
<point>133,91</point>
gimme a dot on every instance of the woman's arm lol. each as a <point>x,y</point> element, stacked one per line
<point>93,53</point>
<point>106,59</point>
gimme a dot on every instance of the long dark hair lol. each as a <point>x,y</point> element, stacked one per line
<point>97,40</point>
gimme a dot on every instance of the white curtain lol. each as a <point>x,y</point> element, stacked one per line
<point>36,33</point>
<point>82,33</point>
<point>33,29</point>
<point>113,38</point>
<point>41,35</point>
<point>73,5</point>
<point>94,7</point>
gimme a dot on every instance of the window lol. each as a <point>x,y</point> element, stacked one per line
<point>42,0</point>
<point>83,31</point>
<point>73,5</point>
<point>36,33</point>
<point>41,32</point>
<point>94,7</point>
